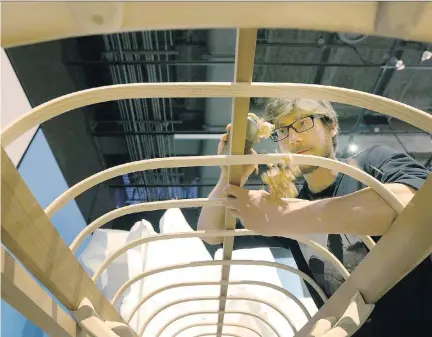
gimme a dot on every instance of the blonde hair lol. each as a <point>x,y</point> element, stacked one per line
<point>278,107</point>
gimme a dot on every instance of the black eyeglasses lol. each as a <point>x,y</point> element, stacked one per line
<point>299,126</point>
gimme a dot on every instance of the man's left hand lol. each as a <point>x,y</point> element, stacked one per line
<point>258,211</point>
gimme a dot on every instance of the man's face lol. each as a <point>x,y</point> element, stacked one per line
<point>315,141</point>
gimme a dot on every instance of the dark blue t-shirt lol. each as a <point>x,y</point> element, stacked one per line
<point>406,309</point>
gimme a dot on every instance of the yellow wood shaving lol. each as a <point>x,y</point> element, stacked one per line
<point>264,128</point>
<point>280,179</point>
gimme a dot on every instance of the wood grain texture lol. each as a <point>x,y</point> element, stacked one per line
<point>26,229</point>
<point>316,247</point>
<point>57,20</point>
<point>225,334</point>
<point>243,73</point>
<point>138,208</point>
<point>195,264</point>
<point>214,298</point>
<point>90,322</point>
<point>20,290</point>
<point>322,326</point>
<point>218,160</point>
<point>398,19</point>
<point>352,319</point>
<point>389,261</point>
<point>57,106</point>
<point>30,237</point>
<point>238,325</point>
<point>235,312</point>
<point>228,283</point>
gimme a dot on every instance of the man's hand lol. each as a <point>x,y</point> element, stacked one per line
<point>247,170</point>
<point>259,212</point>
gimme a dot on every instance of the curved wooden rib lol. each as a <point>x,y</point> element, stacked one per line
<point>322,326</point>
<point>215,324</point>
<point>87,318</point>
<point>214,298</point>
<point>228,334</point>
<point>356,314</point>
<point>59,20</point>
<point>21,291</point>
<point>229,312</point>
<point>354,172</point>
<point>217,160</point>
<point>241,282</point>
<point>142,207</point>
<point>193,264</point>
<point>62,104</point>
<point>319,249</point>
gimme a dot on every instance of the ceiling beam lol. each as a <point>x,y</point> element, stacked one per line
<point>325,56</point>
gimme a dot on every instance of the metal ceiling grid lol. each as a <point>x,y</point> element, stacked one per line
<point>148,126</point>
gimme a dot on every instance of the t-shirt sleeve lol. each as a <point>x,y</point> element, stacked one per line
<point>391,166</point>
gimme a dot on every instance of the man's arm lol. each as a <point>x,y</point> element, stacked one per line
<point>363,212</point>
<point>213,217</point>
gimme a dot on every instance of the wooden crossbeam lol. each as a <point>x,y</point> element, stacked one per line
<point>398,19</point>
<point>62,104</point>
<point>31,22</point>
<point>21,291</point>
<point>30,236</point>
<point>243,72</point>
<point>399,251</point>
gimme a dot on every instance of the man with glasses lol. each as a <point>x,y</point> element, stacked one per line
<point>329,202</point>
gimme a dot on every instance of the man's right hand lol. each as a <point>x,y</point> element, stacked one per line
<point>247,169</point>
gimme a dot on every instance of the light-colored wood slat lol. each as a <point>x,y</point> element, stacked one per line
<point>196,264</point>
<point>322,326</point>
<point>57,106</point>
<point>30,237</point>
<point>21,291</point>
<point>235,312</point>
<point>243,72</point>
<point>399,251</point>
<point>319,249</point>
<point>399,19</point>
<point>138,208</point>
<point>239,282</point>
<point>316,247</point>
<point>353,318</point>
<point>31,22</point>
<point>150,164</point>
<point>225,334</point>
<point>214,298</point>
<point>238,325</point>
<point>91,323</point>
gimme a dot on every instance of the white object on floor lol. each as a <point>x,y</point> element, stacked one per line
<point>162,253</point>
<point>157,254</point>
<point>102,243</point>
<point>284,279</point>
